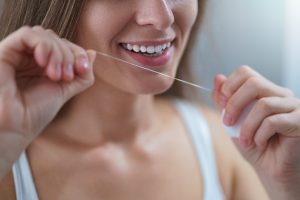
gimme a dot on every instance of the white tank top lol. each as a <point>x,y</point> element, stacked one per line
<point>200,137</point>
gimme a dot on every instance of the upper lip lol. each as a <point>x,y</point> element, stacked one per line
<point>150,42</point>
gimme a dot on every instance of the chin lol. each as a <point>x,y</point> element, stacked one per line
<point>156,88</point>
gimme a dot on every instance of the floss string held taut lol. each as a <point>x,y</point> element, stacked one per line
<point>233,131</point>
<point>162,74</point>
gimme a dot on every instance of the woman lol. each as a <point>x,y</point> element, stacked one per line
<point>74,126</point>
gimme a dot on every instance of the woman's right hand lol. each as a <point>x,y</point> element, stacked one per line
<point>39,72</point>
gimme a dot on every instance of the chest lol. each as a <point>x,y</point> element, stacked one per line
<point>161,171</point>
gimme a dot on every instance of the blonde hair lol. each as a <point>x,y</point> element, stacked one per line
<point>62,17</point>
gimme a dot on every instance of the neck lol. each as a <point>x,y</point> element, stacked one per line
<point>103,114</point>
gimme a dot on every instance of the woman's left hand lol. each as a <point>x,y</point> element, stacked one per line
<point>270,135</point>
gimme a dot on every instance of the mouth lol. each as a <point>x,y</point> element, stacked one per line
<point>147,50</point>
<point>150,53</point>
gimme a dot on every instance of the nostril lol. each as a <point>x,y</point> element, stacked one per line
<point>156,13</point>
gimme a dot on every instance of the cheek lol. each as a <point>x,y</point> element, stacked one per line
<point>185,12</point>
<point>98,26</point>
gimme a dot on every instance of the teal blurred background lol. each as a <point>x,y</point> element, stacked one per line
<point>264,34</point>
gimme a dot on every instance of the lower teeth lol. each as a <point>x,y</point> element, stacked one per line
<point>152,54</point>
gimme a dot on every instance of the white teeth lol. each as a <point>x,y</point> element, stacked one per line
<point>147,49</point>
<point>164,46</point>
<point>158,49</point>
<point>136,48</point>
<point>129,47</point>
<point>150,49</point>
<point>143,49</point>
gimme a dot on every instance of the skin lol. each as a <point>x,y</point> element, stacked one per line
<point>115,132</point>
<point>270,134</point>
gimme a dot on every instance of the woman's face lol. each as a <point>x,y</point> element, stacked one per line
<point>150,33</point>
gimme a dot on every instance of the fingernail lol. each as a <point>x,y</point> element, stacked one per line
<point>83,61</point>
<point>58,69</point>
<point>228,119</point>
<point>70,69</point>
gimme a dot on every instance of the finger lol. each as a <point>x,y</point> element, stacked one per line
<point>43,50</point>
<point>254,88</point>
<point>54,59</point>
<point>68,57</point>
<point>18,46</point>
<point>218,98</point>
<point>236,79</point>
<point>54,68</point>
<point>262,109</point>
<point>25,40</point>
<point>218,81</point>
<point>286,124</point>
<point>68,69</point>
<point>84,63</point>
<point>81,58</point>
<point>82,81</point>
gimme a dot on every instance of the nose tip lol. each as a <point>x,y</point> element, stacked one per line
<point>156,13</point>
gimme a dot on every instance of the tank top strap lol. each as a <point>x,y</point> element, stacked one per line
<point>200,136</point>
<point>24,185</point>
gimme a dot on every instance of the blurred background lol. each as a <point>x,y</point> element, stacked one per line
<point>264,34</point>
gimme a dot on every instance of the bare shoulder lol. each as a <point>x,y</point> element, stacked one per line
<point>225,151</point>
<point>236,174</point>
<point>7,190</point>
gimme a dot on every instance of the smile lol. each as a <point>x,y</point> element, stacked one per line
<point>151,50</point>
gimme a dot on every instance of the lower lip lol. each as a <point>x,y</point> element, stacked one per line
<point>153,62</point>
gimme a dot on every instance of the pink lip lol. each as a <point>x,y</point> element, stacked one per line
<point>155,62</point>
<point>152,62</point>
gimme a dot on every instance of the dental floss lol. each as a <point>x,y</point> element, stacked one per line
<point>162,74</point>
<point>233,131</point>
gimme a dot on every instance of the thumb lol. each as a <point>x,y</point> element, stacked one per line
<point>80,82</point>
<point>218,98</point>
<point>92,56</point>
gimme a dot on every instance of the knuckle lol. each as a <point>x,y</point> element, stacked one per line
<point>227,89</point>
<point>258,140</point>
<point>80,50</point>
<point>270,122</point>
<point>252,82</point>
<point>245,69</point>
<point>66,40</point>
<point>66,52</point>
<point>264,104</point>
<point>25,30</point>
<point>75,49</point>
<point>38,28</point>
<point>51,32</point>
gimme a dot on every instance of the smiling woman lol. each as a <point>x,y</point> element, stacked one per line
<point>77,126</point>
<point>63,17</point>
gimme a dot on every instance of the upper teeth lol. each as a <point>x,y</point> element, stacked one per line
<point>146,49</point>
